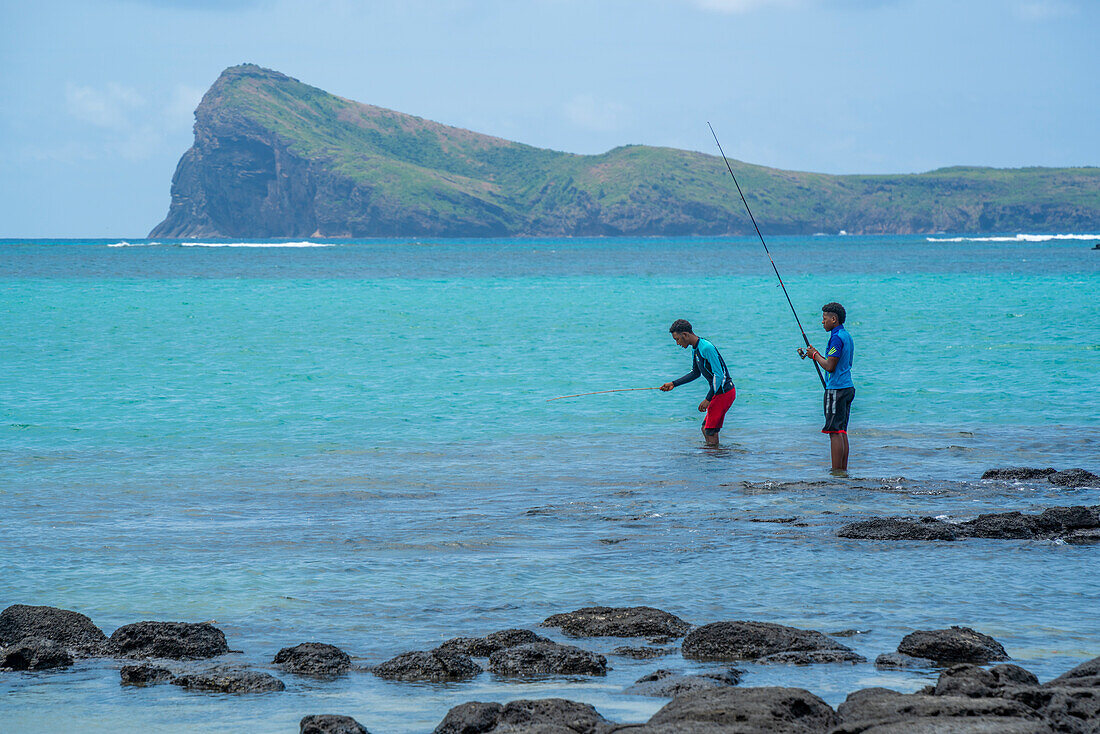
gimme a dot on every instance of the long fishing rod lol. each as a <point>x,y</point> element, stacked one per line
<point>765,244</point>
<point>600,392</point>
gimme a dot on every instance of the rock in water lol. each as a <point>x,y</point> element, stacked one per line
<point>666,683</point>
<point>1074,478</point>
<point>754,640</point>
<point>875,710</point>
<point>896,528</point>
<point>314,659</point>
<point>227,680</point>
<point>744,710</point>
<point>644,652</point>
<point>897,661</point>
<point>542,658</point>
<point>954,645</point>
<point>433,665</point>
<point>541,716</point>
<point>71,629</point>
<point>330,724</point>
<point>483,647</point>
<point>35,653</point>
<point>144,675</point>
<point>619,622</point>
<point>174,640</point>
<point>1020,473</point>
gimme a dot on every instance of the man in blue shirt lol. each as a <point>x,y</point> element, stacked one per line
<point>839,390</point>
<point>708,363</point>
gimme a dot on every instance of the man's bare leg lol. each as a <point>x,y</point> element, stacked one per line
<point>712,440</point>
<point>838,447</point>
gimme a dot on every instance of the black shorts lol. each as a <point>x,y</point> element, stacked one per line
<point>838,404</point>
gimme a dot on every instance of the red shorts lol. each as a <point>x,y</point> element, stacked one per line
<point>716,411</point>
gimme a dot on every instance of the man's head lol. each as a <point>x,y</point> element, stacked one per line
<point>682,333</point>
<point>832,316</point>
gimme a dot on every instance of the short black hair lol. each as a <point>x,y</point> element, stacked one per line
<point>834,308</point>
<point>680,326</point>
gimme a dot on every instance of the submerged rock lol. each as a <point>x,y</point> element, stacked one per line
<point>1021,473</point>
<point>173,640</point>
<point>898,661</point>
<point>70,629</point>
<point>953,645</point>
<point>228,680</point>
<point>898,528</point>
<point>1074,478</point>
<point>744,711</point>
<point>330,724</point>
<point>644,653</point>
<point>812,657</point>
<point>432,665</point>
<point>542,716</point>
<point>483,647</point>
<point>546,658</point>
<point>669,684</point>
<point>754,640</point>
<point>35,653</point>
<point>144,675</point>
<point>314,659</point>
<point>619,622</point>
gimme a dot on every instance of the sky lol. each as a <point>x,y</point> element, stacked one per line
<point>97,96</point>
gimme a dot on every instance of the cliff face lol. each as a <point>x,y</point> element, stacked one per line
<point>277,158</point>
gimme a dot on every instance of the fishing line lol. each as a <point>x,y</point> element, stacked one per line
<point>765,244</point>
<point>600,392</point>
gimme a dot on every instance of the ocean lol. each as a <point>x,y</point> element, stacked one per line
<point>352,443</point>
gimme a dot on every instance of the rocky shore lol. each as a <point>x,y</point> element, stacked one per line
<point>968,697</point>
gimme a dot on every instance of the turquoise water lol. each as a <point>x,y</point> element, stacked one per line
<point>353,444</point>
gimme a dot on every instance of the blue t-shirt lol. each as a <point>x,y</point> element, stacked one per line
<point>840,346</point>
<point>706,361</point>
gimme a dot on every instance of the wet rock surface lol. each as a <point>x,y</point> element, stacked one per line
<point>330,724</point>
<point>668,683</point>
<point>315,659</point>
<point>644,652</point>
<point>34,653</point>
<point>431,665</point>
<point>229,680</point>
<point>1020,473</point>
<point>619,622</point>
<point>544,716</point>
<point>546,658</point>
<point>173,640</point>
<point>744,710</point>
<point>898,661</point>
<point>144,675</point>
<point>953,645</point>
<point>483,647</point>
<point>71,629</point>
<point>1074,478</point>
<point>741,640</point>
<point>1074,524</point>
<point>878,710</point>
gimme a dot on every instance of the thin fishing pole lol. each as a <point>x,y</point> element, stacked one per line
<point>600,392</point>
<point>765,244</point>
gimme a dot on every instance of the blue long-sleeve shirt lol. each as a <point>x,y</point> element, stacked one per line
<point>706,361</point>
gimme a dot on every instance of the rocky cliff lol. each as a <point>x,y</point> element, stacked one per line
<point>274,157</point>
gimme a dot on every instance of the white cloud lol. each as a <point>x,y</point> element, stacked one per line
<point>112,107</point>
<point>585,111</point>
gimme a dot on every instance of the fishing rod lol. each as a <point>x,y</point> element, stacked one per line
<point>600,392</point>
<point>765,244</point>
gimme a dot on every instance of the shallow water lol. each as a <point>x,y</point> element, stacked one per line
<point>352,444</point>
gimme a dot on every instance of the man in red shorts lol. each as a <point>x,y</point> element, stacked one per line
<point>705,361</point>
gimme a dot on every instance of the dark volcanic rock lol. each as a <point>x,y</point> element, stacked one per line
<point>144,675</point>
<point>954,645</point>
<point>974,682</point>
<point>1074,478</point>
<point>330,724</point>
<point>35,653</point>
<point>174,640</point>
<point>228,680</point>
<point>1022,473</point>
<point>753,640</point>
<point>1002,525</point>
<point>71,629</point>
<point>812,657</point>
<point>897,528</point>
<point>315,659</point>
<point>619,622</point>
<point>1085,674</point>
<point>898,661</point>
<point>667,683</point>
<point>541,716</point>
<point>546,658</point>
<point>744,711</point>
<point>644,653</point>
<point>432,665</point>
<point>483,647</point>
<point>878,711</point>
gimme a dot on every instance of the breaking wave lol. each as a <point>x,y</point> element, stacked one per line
<point>1018,238</point>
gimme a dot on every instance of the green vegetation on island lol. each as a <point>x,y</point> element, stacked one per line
<point>274,157</point>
